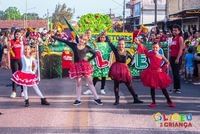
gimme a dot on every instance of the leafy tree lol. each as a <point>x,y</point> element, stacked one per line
<point>12,13</point>
<point>2,15</point>
<point>31,16</point>
<point>60,12</point>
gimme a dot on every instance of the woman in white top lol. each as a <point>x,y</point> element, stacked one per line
<point>27,77</point>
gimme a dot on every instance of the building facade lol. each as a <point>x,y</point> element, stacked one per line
<point>143,12</point>
<point>4,24</point>
<point>184,12</point>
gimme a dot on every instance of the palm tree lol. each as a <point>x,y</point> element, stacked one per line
<point>60,12</point>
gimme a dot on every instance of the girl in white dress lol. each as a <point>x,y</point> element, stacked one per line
<point>27,77</point>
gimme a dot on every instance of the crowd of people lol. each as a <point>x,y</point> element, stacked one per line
<point>183,52</point>
<point>18,52</point>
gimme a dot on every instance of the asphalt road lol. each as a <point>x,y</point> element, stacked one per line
<point>62,117</point>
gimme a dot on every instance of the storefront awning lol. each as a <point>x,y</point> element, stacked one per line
<point>186,13</point>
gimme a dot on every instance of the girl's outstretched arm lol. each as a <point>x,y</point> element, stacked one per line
<point>70,44</point>
<point>141,49</point>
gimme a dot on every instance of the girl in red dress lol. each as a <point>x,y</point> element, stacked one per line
<point>26,77</point>
<point>119,71</point>
<point>154,77</point>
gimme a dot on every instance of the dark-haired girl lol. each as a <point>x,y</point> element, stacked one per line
<point>176,50</point>
<point>16,50</point>
<point>119,71</point>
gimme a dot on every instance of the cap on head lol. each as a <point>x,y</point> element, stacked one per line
<point>66,49</point>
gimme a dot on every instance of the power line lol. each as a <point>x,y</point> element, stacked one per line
<point>117,3</point>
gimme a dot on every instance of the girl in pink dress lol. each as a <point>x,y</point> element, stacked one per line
<point>81,68</point>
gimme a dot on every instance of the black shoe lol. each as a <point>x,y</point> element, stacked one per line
<point>77,102</point>
<point>0,113</point>
<point>98,102</point>
<point>26,103</point>
<point>44,101</point>
<point>116,101</point>
<point>136,99</point>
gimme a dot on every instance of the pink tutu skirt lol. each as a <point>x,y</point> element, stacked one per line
<point>24,78</point>
<point>80,69</point>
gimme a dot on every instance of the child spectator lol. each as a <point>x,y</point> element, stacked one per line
<point>197,61</point>
<point>189,64</point>
<point>66,61</point>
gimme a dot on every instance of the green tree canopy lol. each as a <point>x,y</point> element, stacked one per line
<point>95,22</point>
<point>31,16</point>
<point>2,15</point>
<point>12,13</point>
<point>60,12</point>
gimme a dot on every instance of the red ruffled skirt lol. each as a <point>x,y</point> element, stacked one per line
<point>80,69</point>
<point>120,72</point>
<point>25,79</point>
<point>155,78</point>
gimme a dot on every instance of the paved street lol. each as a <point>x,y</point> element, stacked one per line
<point>62,117</point>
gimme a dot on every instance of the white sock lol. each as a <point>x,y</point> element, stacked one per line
<point>78,89</point>
<point>37,90</point>
<point>25,88</point>
<point>92,88</point>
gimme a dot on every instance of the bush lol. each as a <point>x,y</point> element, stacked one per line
<point>51,65</point>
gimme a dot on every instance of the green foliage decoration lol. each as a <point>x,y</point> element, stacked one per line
<point>95,22</point>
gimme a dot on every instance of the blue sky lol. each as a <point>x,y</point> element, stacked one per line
<point>81,6</point>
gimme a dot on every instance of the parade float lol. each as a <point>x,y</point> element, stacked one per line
<point>50,56</point>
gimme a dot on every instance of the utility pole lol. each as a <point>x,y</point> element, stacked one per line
<point>48,19</point>
<point>74,10</point>
<point>155,22</point>
<point>26,16</point>
<point>110,13</point>
<point>124,16</point>
<point>166,14</point>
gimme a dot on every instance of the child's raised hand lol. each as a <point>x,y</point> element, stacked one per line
<point>136,41</point>
<point>85,58</point>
